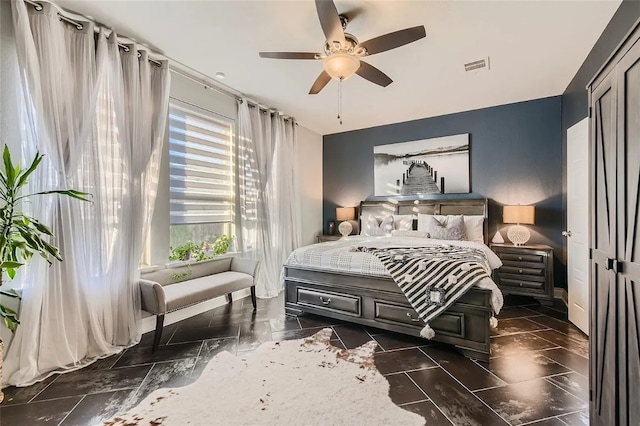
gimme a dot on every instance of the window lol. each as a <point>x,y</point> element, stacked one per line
<point>201,174</point>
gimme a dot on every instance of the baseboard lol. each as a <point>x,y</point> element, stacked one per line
<point>561,293</point>
<point>149,322</point>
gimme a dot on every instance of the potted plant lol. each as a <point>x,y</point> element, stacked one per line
<point>21,235</point>
<point>184,252</point>
<point>221,244</point>
<point>198,253</point>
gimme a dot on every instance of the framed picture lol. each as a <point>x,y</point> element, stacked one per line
<point>423,167</point>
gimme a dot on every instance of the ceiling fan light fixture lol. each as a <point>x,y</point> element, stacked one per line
<point>341,65</point>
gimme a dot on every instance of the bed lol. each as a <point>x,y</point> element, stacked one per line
<point>348,291</point>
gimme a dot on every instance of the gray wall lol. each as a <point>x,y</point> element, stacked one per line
<point>574,99</point>
<point>516,158</point>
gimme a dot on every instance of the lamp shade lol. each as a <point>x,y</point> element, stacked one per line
<point>345,213</point>
<point>341,65</point>
<point>518,214</point>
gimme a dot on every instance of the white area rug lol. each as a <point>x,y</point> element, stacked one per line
<point>296,382</point>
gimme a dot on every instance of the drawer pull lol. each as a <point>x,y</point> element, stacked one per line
<point>519,257</point>
<point>519,271</point>
<point>412,318</point>
<point>325,301</point>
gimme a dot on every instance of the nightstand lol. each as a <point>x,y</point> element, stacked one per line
<point>323,238</point>
<point>526,270</point>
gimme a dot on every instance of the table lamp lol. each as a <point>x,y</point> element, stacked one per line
<point>344,215</point>
<point>519,215</point>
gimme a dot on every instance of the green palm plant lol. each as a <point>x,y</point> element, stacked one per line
<point>21,235</point>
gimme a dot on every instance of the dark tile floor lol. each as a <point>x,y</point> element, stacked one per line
<point>537,373</point>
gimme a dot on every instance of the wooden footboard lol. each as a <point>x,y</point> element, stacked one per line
<point>378,302</point>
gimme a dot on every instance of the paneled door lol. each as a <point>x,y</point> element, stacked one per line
<point>603,295</point>
<point>614,349</point>
<point>577,232</point>
<point>628,244</point>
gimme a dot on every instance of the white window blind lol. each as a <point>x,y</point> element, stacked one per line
<point>200,165</point>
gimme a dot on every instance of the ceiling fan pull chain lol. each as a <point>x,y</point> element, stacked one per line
<point>340,100</point>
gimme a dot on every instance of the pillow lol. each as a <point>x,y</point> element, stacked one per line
<point>373,226</point>
<point>411,234</point>
<point>473,225</point>
<point>474,228</point>
<point>452,228</point>
<point>403,222</point>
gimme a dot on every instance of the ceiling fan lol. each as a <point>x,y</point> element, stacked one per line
<point>343,52</point>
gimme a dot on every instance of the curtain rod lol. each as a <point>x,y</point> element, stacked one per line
<point>239,98</point>
<point>38,6</point>
<point>271,111</point>
<point>201,80</point>
<point>222,91</point>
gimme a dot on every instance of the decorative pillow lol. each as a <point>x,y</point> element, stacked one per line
<point>410,234</point>
<point>423,221</point>
<point>474,228</point>
<point>403,222</point>
<point>452,228</point>
<point>473,225</point>
<point>373,226</point>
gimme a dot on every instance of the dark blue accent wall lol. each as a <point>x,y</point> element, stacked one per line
<point>516,158</point>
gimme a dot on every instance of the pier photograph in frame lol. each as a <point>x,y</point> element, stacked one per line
<point>423,167</point>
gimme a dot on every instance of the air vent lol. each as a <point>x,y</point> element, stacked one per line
<point>482,64</point>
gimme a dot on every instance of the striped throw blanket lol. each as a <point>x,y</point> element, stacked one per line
<point>432,278</point>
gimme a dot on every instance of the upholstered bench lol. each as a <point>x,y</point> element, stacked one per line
<point>169,289</point>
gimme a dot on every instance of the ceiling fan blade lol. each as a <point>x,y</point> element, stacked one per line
<point>289,55</point>
<point>330,21</point>
<point>320,82</point>
<point>393,40</point>
<point>373,74</point>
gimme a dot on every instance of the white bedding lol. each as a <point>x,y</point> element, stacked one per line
<point>336,256</point>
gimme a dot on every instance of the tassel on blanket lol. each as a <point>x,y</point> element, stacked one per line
<point>493,322</point>
<point>427,332</point>
<point>353,249</point>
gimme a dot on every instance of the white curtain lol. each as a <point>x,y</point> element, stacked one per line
<point>270,223</point>
<point>98,114</point>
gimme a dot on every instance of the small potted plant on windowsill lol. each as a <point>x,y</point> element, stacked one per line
<point>21,235</point>
<point>190,252</point>
<point>184,252</point>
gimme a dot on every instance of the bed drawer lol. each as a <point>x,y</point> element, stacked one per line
<point>450,323</point>
<point>329,301</point>
<point>397,313</point>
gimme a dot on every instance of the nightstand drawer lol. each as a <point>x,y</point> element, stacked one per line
<point>517,277</point>
<point>521,283</point>
<point>518,257</point>
<point>325,238</point>
<point>505,269</point>
<point>526,270</point>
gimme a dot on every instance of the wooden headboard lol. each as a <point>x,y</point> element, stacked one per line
<point>443,206</point>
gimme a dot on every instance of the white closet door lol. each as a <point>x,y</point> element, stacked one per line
<point>578,223</point>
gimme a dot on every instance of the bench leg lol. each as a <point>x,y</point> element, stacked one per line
<point>158,334</point>
<point>229,297</point>
<point>253,297</point>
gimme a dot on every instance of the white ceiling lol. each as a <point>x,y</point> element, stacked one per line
<point>535,48</point>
